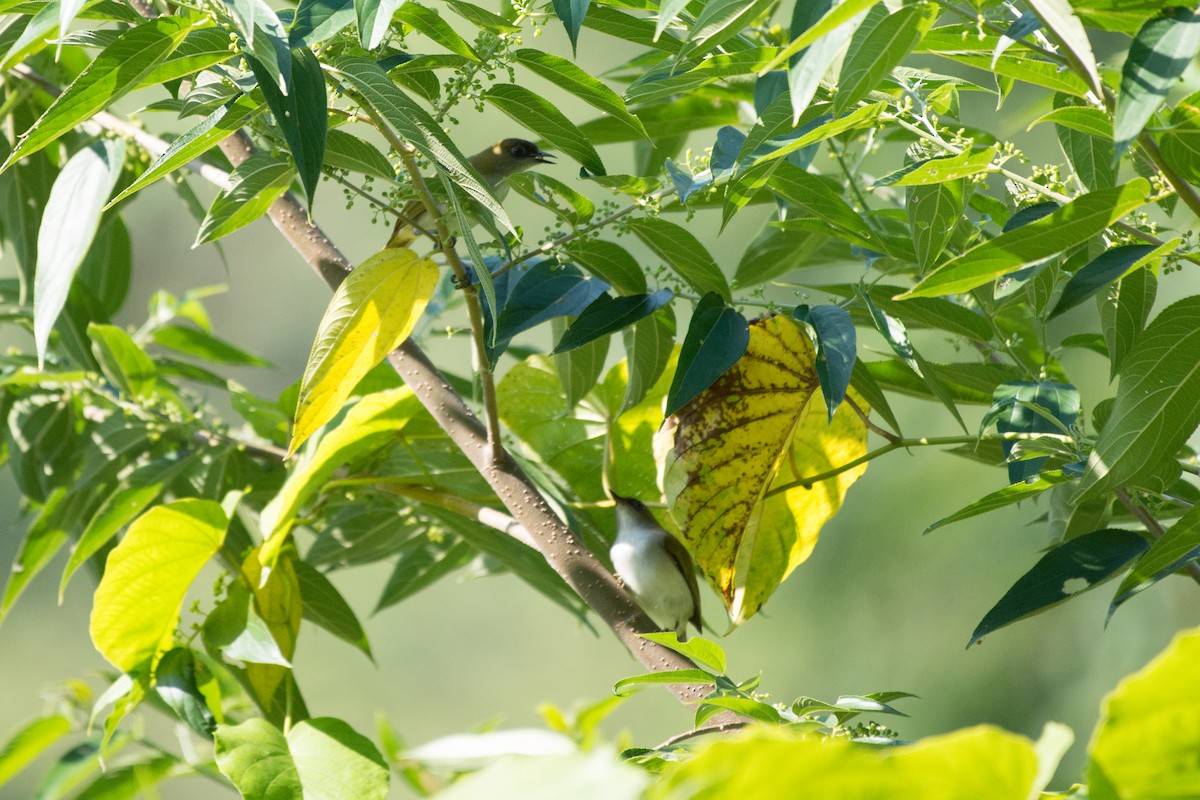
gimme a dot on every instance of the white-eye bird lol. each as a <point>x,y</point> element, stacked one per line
<point>496,164</point>
<point>655,567</point>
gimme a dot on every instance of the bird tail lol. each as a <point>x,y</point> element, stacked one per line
<point>403,234</point>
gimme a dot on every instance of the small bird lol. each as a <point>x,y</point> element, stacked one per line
<point>656,568</point>
<point>496,164</point>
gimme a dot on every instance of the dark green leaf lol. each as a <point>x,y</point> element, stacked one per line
<point>876,49</point>
<point>420,567</point>
<point>1091,157</point>
<point>176,683</point>
<point>608,314</point>
<point>572,13</point>
<point>106,267</point>
<point>432,25</point>
<point>1014,493</point>
<point>265,39</point>
<point>837,350</point>
<point>481,18</point>
<point>318,20</point>
<point>933,211</point>
<point>1076,566</point>
<point>717,337</point>
<point>1123,314</point>
<point>1015,408</point>
<point>1105,268</point>
<point>609,262</point>
<point>565,203</point>
<point>300,113</point>
<point>718,22</point>
<point>812,195</point>
<point>343,151</point>
<point>568,76</point>
<point>325,606</point>
<point>648,346</point>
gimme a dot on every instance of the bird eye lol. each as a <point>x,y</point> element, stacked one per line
<point>518,150</point>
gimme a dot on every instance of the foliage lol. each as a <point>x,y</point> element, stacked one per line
<point>746,433</point>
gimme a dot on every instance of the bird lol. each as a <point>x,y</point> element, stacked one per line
<point>496,164</point>
<point>655,567</point>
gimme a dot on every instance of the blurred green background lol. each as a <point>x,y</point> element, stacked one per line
<point>877,607</point>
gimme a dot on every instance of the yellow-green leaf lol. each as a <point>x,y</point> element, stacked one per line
<point>731,471</point>
<point>146,577</point>
<point>371,314</point>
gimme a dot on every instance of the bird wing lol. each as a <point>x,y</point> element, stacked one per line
<point>682,558</point>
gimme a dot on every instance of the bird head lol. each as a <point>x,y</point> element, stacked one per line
<point>632,512</point>
<point>510,156</point>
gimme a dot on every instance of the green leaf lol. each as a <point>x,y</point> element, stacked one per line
<point>265,39</point>
<point>859,118</point>
<point>1084,119</point>
<point>1146,741</point>
<point>130,780</point>
<point>414,124</point>
<point>564,202</point>
<point>940,170</point>
<point>147,575</point>
<point>1166,556</point>
<point>371,314</point>
<point>1159,54</point>
<point>842,18</point>
<point>431,24</point>
<point>717,23</point>
<point>325,606</point>
<point>742,706</point>
<point>684,253</point>
<point>255,184</point>
<point>1157,406</point>
<point>204,346</point>
<point>69,223</point>
<point>626,26</point>
<point>122,506</point>
<point>195,143</point>
<point>837,350</point>
<point>1092,158</point>
<point>1123,314</point>
<point>124,363</point>
<point>717,337</point>
<point>595,775</point>
<point>344,151</point>
<point>933,211</point>
<point>610,262</point>
<point>300,113</point>
<point>700,650</point>
<point>1068,226</point>
<point>255,757</point>
<point>566,75</point>
<point>421,567</point>
<point>1060,20</point>
<point>1181,142</point>
<point>373,422</point>
<point>1014,493</point>
<point>175,682</point>
<point>29,743</point>
<point>876,49</point>
<point>572,13</point>
<point>319,20</point>
<point>813,195</point>
<point>671,676</point>
<point>200,49</point>
<point>1109,266</point>
<point>118,69</point>
<point>608,314</point>
<point>374,20</point>
<point>1069,569</point>
<point>543,118</point>
<point>648,346</point>
<point>55,521</point>
<point>336,762</point>
<point>482,18</point>
<point>580,367</point>
<point>106,267</point>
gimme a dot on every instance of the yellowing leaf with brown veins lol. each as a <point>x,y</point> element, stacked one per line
<point>370,315</point>
<point>731,459</point>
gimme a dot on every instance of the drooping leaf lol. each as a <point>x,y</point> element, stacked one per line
<point>69,223</point>
<point>146,577</point>
<point>543,118</point>
<point>814,196</point>
<point>176,683</point>
<point>1124,311</point>
<point>566,75</point>
<point>609,314</point>
<point>1157,406</point>
<point>745,512</point>
<point>1105,268</point>
<point>344,151</point>
<point>1059,19</point>
<point>837,350</point>
<point>933,211</point>
<point>318,20</point>
<point>46,536</point>
<point>1159,54</point>
<point>300,113</point>
<point>325,606</point>
<point>374,20</point>
<point>1073,567</point>
<point>648,346</point>
<point>684,253</point>
<point>256,183</point>
<point>572,13</point>
<point>1070,225</point>
<point>371,314</point>
<point>254,756</point>
<point>717,338</point>
<point>431,24</point>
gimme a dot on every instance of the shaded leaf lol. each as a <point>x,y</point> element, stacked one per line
<point>684,253</point>
<point>1159,54</point>
<point>1013,493</point>
<point>876,49</point>
<point>717,337</point>
<point>543,118</point>
<point>608,314</point>
<point>1178,546</point>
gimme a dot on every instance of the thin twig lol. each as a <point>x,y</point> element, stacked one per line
<point>706,731</point>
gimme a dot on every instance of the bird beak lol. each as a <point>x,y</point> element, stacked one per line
<point>543,157</point>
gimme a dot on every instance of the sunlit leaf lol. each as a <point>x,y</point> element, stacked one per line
<point>1178,546</point>
<point>876,49</point>
<point>256,183</point>
<point>684,253</point>
<point>1159,54</point>
<point>371,314</point>
<point>146,577</point>
<point>29,743</point>
<point>1060,20</point>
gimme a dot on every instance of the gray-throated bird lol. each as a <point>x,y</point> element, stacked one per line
<point>656,568</point>
<point>496,164</point>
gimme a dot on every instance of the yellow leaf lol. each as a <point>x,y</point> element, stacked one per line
<point>729,463</point>
<point>371,314</point>
<point>136,606</point>
<point>277,601</point>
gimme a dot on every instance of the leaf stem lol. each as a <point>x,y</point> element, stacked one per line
<point>1153,527</point>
